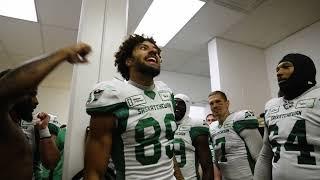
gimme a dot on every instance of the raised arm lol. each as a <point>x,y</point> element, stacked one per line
<point>263,168</point>
<point>28,76</point>
<point>204,154</point>
<point>98,145</point>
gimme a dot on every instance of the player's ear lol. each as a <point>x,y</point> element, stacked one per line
<point>129,61</point>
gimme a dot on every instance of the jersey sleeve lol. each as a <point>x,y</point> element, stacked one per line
<point>245,120</point>
<point>106,98</point>
<point>198,128</point>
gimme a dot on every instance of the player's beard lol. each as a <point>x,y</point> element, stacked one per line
<point>24,110</point>
<point>148,70</point>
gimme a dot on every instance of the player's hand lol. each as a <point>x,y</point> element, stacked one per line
<point>42,120</point>
<point>77,53</point>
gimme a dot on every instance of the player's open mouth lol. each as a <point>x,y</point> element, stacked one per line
<point>152,60</point>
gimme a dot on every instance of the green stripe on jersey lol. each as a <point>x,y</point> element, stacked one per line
<point>198,131</point>
<point>122,113</point>
<point>107,109</point>
<point>150,94</point>
<point>238,126</point>
<point>118,156</point>
<point>53,129</point>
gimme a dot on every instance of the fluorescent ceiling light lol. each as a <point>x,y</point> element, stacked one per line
<point>21,9</point>
<point>165,18</point>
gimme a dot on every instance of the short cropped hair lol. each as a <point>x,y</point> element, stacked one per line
<point>125,52</point>
<point>208,116</point>
<point>222,94</point>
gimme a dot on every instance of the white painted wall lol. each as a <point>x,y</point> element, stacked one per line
<point>196,87</point>
<point>243,75</point>
<point>306,42</point>
<point>54,101</point>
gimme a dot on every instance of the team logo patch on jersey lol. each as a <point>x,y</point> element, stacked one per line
<point>306,103</point>
<point>135,100</point>
<point>184,128</point>
<point>94,95</point>
<point>249,114</point>
<point>165,95</point>
<point>288,104</point>
<point>273,110</point>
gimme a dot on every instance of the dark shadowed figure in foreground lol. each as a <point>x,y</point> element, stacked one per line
<point>15,86</point>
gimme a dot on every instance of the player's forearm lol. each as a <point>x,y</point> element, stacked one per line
<point>30,74</point>
<point>206,164</point>
<point>96,158</point>
<point>204,154</point>
<point>217,173</point>
<point>263,168</point>
<point>207,173</point>
<point>177,171</point>
<point>207,167</point>
<point>49,153</point>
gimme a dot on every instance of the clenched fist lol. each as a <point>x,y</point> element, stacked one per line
<point>42,120</point>
<point>76,53</point>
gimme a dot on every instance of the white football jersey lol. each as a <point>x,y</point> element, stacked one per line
<point>184,149</point>
<point>231,153</point>
<point>142,144</point>
<point>294,134</point>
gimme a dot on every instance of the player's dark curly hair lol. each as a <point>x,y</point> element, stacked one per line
<point>125,52</point>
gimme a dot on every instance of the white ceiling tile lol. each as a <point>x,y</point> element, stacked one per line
<point>2,49</point>
<point>55,37</point>
<point>12,61</point>
<point>20,37</point>
<point>210,21</point>
<point>65,13</point>
<point>274,21</point>
<point>4,64</point>
<point>18,59</point>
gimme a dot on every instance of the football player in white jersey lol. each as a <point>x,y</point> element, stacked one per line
<point>236,139</point>
<point>133,120</point>
<point>291,148</point>
<point>191,143</point>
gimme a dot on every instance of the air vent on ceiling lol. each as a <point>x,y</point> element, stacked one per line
<point>245,6</point>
